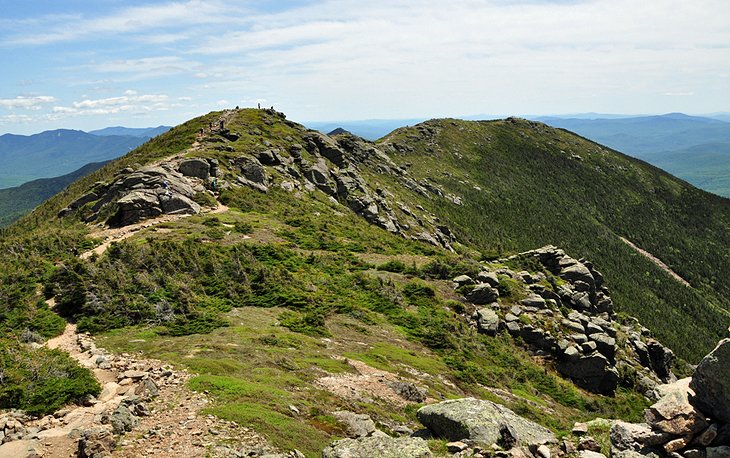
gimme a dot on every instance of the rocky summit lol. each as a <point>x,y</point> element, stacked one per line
<point>242,286</point>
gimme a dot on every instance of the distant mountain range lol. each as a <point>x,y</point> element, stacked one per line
<point>147,132</point>
<point>36,167</point>
<point>15,202</point>
<point>58,152</point>
<point>694,148</point>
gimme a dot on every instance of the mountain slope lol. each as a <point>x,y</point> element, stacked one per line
<point>286,268</point>
<point>57,152</point>
<point>524,184</point>
<point>15,202</point>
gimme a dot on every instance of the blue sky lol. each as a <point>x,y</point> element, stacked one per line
<point>90,64</point>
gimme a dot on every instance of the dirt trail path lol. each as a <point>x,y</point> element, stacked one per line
<point>171,424</point>
<point>120,233</point>
<point>656,261</point>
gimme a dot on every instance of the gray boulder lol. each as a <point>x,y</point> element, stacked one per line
<point>122,420</point>
<point>711,383</point>
<point>252,170</point>
<point>482,294</point>
<point>462,280</point>
<point>533,300</point>
<point>631,436</point>
<point>480,421</point>
<point>487,321</point>
<point>136,206</point>
<point>489,278</point>
<point>195,167</point>
<point>357,425</point>
<point>177,204</point>
<point>578,272</point>
<point>378,446</point>
<point>96,443</point>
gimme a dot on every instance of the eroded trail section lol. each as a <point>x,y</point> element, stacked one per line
<point>144,410</point>
<point>656,261</point>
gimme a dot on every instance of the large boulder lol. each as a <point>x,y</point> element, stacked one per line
<point>711,383</point>
<point>195,167</point>
<point>378,446</point>
<point>482,294</point>
<point>480,421</point>
<point>134,207</point>
<point>487,321</point>
<point>631,436</point>
<point>356,424</point>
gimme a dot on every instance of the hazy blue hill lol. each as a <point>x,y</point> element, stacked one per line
<point>647,134</point>
<point>706,166</point>
<point>56,152</point>
<point>148,132</point>
<point>15,202</point>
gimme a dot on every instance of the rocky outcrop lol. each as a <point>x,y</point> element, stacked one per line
<point>378,446</point>
<point>196,167</point>
<point>480,421</point>
<point>711,383</point>
<point>566,312</point>
<point>147,192</point>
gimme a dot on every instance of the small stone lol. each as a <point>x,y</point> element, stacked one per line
<point>677,444</point>
<point>580,428</point>
<point>543,451</point>
<point>456,447</point>
<point>589,443</point>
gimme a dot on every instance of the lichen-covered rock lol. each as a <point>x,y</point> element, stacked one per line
<point>711,383</point>
<point>487,321</point>
<point>480,420</point>
<point>378,446</point>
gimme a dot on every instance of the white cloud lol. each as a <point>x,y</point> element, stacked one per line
<point>130,102</point>
<point>126,21</point>
<point>27,102</point>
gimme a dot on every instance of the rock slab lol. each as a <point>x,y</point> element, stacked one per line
<point>480,421</point>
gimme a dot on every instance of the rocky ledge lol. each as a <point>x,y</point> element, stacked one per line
<point>566,313</point>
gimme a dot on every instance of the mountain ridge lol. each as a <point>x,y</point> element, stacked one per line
<point>334,258</point>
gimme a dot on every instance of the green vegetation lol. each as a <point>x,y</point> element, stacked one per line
<point>41,381</point>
